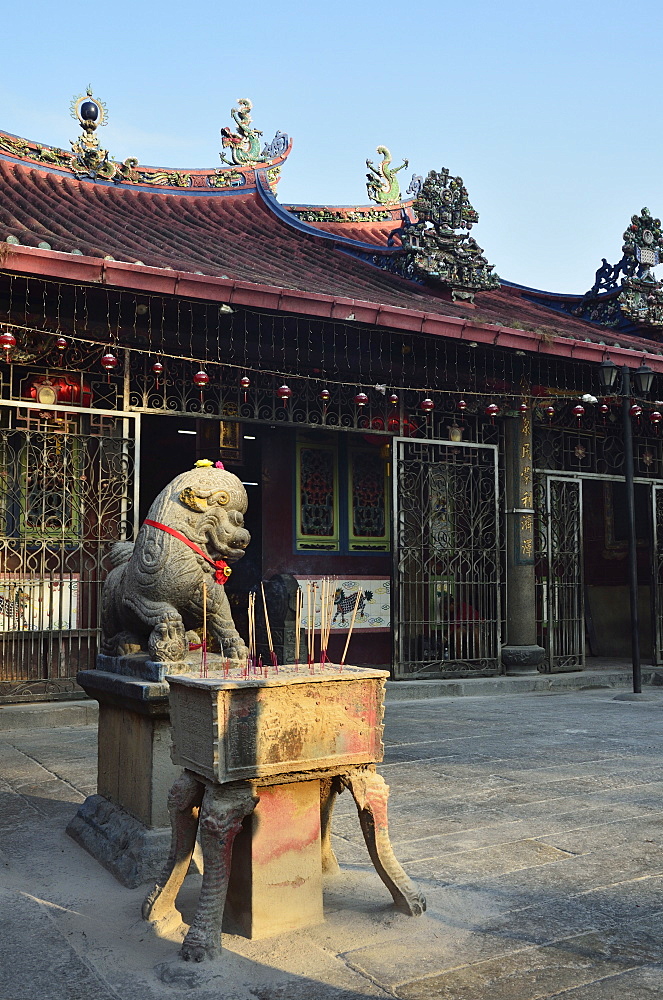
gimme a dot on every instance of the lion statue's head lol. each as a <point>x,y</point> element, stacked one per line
<point>208,506</point>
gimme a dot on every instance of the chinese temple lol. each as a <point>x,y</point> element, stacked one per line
<point>406,421</point>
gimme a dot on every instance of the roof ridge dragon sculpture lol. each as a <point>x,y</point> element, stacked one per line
<point>381,181</point>
<point>244,145</point>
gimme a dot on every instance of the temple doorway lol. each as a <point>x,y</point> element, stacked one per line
<point>605,568</point>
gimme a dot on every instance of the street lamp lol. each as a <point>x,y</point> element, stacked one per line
<point>642,379</point>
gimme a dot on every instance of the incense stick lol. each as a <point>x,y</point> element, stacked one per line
<point>272,654</point>
<point>326,619</point>
<point>251,659</point>
<point>310,620</point>
<point>354,615</point>
<point>203,661</point>
<point>298,624</point>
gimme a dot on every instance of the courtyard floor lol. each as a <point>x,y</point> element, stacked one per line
<point>533,823</point>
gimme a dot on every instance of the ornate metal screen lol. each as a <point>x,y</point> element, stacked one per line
<point>66,494</point>
<point>446,610</point>
<point>657,572</point>
<point>560,595</point>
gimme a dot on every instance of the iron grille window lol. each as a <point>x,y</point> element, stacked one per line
<point>342,501</point>
<point>50,468</point>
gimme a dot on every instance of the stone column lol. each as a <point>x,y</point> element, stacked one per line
<point>520,654</point>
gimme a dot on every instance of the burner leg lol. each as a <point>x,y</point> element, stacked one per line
<point>370,792</point>
<point>223,809</point>
<point>329,789</point>
<point>184,801</point>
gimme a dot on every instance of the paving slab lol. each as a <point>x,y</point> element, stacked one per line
<point>533,823</point>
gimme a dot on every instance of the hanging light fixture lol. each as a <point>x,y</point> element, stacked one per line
<point>608,372</point>
<point>109,363</point>
<point>7,341</point>
<point>643,378</point>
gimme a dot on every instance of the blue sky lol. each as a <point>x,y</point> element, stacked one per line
<point>548,111</point>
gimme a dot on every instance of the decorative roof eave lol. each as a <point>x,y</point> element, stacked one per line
<point>285,215</point>
<point>351,214</point>
<point>157,281</point>
<point>165,180</point>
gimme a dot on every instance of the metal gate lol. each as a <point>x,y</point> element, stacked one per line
<point>67,492</point>
<point>657,573</point>
<point>446,608</point>
<point>561,610</point>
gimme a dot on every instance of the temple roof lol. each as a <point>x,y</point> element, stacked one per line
<point>242,234</point>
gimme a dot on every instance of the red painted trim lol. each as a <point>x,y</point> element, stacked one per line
<point>159,281</point>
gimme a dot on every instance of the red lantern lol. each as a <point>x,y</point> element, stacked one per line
<point>635,410</point>
<point>284,393</point>
<point>393,399</point>
<point>427,405</point>
<point>462,405</point>
<point>655,418</point>
<point>325,395</point>
<point>157,368</point>
<point>109,362</point>
<point>604,409</point>
<point>550,410</point>
<point>61,344</point>
<point>7,341</point>
<point>523,408</point>
<point>244,384</point>
<point>578,412</point>
<point>491,411</point>
<point>361,399</point>
<point>201,379</point>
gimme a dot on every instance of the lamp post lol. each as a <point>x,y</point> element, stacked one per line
<point>642,380</point>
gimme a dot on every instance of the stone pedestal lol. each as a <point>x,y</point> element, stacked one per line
<point>521,653</point>
<point>275,880</point>
<point>126,826</point>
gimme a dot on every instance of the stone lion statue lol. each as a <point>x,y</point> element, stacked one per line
<point>154,592</point>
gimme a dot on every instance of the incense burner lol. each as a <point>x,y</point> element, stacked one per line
<point>227,729</point>
<point>264,759</point>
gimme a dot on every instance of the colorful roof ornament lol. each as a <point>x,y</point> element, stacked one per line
<point>381,181</point>
<point>435,247</point>
<point>625,293</point>
<point>244,145</point>
<point>90,160</point>
<point>641,296</point>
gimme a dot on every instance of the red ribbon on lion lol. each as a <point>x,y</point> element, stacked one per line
<point>222,568</point>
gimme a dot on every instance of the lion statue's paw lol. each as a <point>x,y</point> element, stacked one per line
<point>167,642</point>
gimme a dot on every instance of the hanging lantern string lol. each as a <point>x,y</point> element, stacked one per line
<point>565,395</point>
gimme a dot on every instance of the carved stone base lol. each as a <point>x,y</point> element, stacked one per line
<point>140,665</point>
<point>520,660</point>
<point>122,844</point>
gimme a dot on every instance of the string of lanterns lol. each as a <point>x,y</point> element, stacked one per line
<point>201,380</point>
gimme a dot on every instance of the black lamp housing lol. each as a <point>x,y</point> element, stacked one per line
<point>608,372</point>
<point>643,378</point>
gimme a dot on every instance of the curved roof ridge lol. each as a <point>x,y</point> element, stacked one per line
<point>142,177</point>
<point>364,224</point>
<point>290,218</point>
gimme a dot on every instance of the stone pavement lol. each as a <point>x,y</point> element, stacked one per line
<point>534,823</point>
